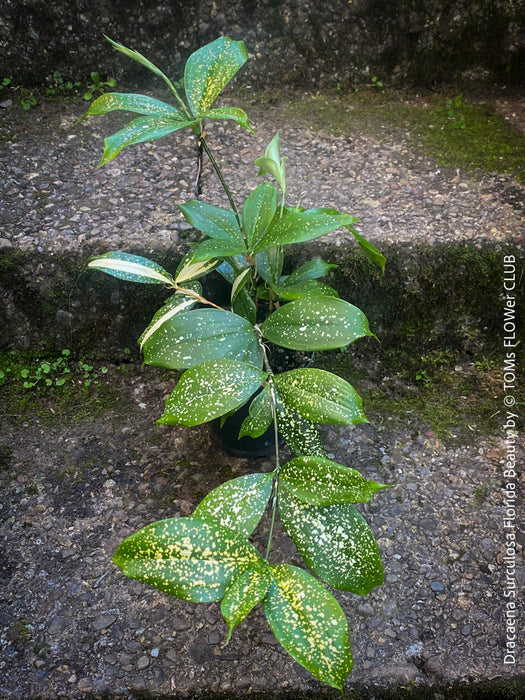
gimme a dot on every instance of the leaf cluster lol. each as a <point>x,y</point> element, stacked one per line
<point>227,363</point>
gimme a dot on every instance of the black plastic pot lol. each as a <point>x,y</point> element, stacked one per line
<point>227,435</point>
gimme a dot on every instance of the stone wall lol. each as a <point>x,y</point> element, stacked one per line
<point>294,42</point>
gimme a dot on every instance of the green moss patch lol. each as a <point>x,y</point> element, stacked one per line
<point>455,131</point>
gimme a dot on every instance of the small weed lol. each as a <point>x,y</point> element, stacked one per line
<point>58,85</point>
<point>97,85</point>
<point>454,107</point>
<point>49,373</point>
<point>27,99</point>
<point>422,376</point>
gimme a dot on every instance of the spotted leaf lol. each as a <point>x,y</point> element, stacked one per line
<point>215,222</point>
<point>187,557</point>
<point>243,595</point>
<point>335,542</point>
<point>210,390</point>
<point>210,69</point>
<point>318,323</point>
<point>259,417</point>
<point>142,129</point>
<point>309,623</point>
<point>258,212</point>
<point>238,504</point>
<point>131,102</point>
<point>297,226</point>
<point>320,396</point>
<point>188,338</point>
<point>132,268</point>
<point>300,434</point>
<point>177,303</point>
<point>311,270</point>
<point>233,113</point>
<point>322,482</point>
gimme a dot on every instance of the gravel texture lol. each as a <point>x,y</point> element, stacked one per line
<point>70,624</point>
<point>55,199</point>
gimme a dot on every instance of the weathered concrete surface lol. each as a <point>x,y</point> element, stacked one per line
<point>297,42</point>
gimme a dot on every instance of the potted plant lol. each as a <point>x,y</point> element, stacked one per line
<point>224,352</point>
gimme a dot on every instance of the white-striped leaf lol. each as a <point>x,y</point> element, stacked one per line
<point>132,268</point>
<point>194,270</point>
<point>178,302</point>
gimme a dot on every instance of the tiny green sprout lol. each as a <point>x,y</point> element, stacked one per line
<point>97,85</point>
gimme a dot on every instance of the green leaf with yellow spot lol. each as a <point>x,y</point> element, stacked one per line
<point>210,390</point>
<point>238,504</point>
<point>187,557</point>
<point>191,337</point>
<point>142,129</point>
<point>233,113</point>
<point>132,268</point>
<point>259,417</point>
<point>210,69</point>
<point>334,541</point>
<point>317,323</point>
<point>309,623</point>
<point>322,482</point>
<point>132,102</point>
<point>243,595</point>
<point>320,396</point>
<point>301,435</point>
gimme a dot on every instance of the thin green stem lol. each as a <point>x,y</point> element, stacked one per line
<point>221,178</point>
<point>277,463</point>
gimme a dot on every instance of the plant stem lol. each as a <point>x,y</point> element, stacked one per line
<point>221,178</point>
<point>277,464</point>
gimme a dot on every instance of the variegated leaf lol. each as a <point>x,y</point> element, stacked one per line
<point>187,557</point>
<point>210,390</point>
<point>322,482</point>
<point>309,623</point>
<point>131,102</point>
<point>238,504</point>
<point>243,595</point>
<point>320,396</point>
<point>335,542</point>
<point>319,323</point>
<point>140,130</point>
<point>191,337</point>
<point>210,69</point>
<point>132,268</point>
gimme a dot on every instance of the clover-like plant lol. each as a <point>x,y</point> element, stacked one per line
<point>227,361</point>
